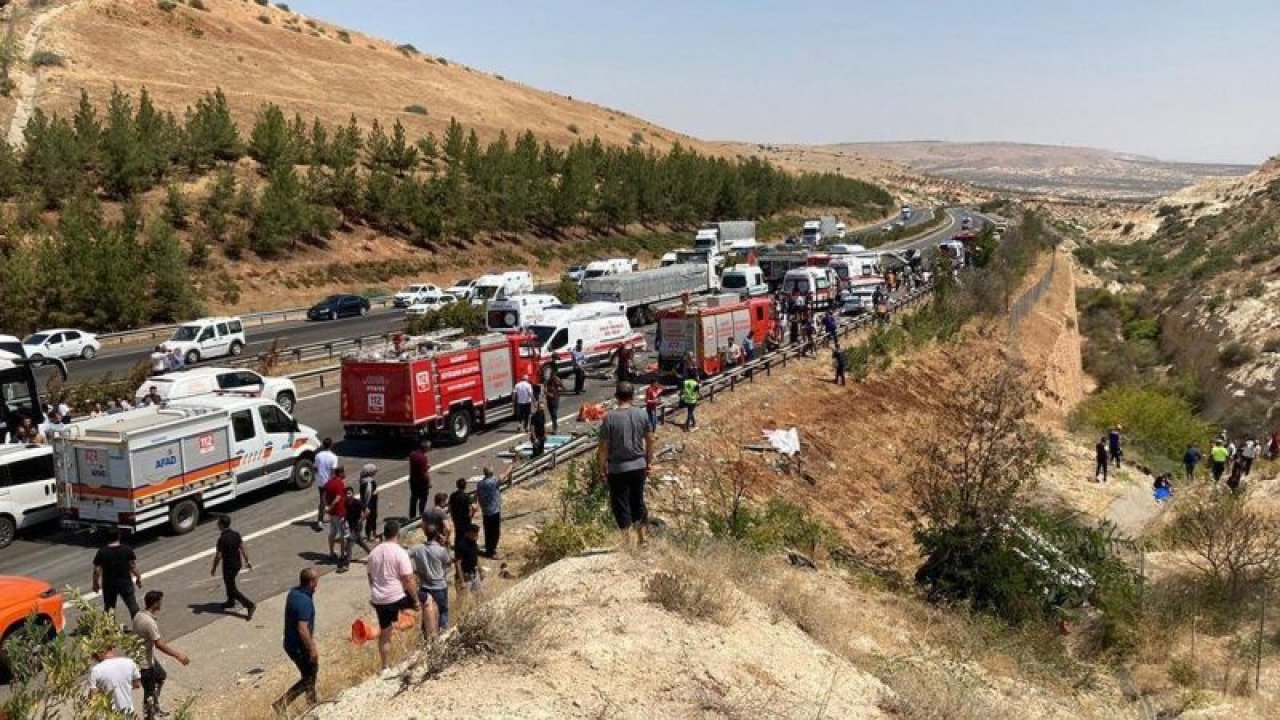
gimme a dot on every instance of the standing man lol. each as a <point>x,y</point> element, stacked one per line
<point>116,676</point>
<point>431,563</point>
<point>438,515</point>
<point>1248,454</point>
<point>625,453</point>
<point>419,478</point>
<point>553,388</point>
<point>1218,460</point>
<point>522,394</point>
<point>689,399</point>
<point>460,510</point>
<point>356,513</point>
<point>652,398</point>
<point>538,429</point>
<point>153,674</point>
<point>230,553</point>
<point>838,358</point>
<point>369,498</point>
<point>489,496</point>
<point>115,573</point>
<point>326,460</point>
<point>335,499</point>
<point>579,359</point>
<point>392,587</point>
<point>300,640</point>
<point>1100,460</point>
<point>1190,459</point>
<point>1113,445</point>
<point>748,348</point>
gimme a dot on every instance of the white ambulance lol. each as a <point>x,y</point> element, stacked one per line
<point>602,327</point>
<point>164,466</point>
<point>509,314</point>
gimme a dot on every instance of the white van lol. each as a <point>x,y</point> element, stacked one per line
<point>612,266</point>
<point>852,267</point>
<point>843,249</point>
<point>209,380</point>
<point>414,294</point>
<point>512,313</point>
<point>744,281</point>
<point>208,338</point>
<point>488,287</point>
<point>601,326</point>
<point>28,490</point>
<point>811,284</point>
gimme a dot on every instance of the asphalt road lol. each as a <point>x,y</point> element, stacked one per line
<point>276,522</point>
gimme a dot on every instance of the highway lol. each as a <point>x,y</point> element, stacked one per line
<point>276,522</point>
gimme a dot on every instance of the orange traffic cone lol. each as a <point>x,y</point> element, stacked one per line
<point>362,632</point>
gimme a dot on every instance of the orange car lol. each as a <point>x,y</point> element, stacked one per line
<point>22,596</point>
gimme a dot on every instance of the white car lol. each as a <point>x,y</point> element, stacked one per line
<point>207,338</point>
<point>430,305</point>
<point>463,289</point>
<point>414,294</point>
<point>208,380</point>
<point>62,343</point>
<point>574,273</point>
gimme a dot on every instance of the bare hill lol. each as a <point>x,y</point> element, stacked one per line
<point>261,53</point>
<point>1045,169</point>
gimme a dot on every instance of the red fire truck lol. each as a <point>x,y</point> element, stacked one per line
<point>704,329</point>
<point>445,388</point>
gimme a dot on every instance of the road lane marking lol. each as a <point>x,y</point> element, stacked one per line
<point>208,552</point>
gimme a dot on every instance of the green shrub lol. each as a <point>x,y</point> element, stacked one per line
<point>197,5</point>
<point>1234,354</point>
<point>464,315</point>
<point>415,109</point>
<point>283,7</point>
<point>47,58</point>
<point>1271,345</point>
<point>573,128</point>
<point>1157,421</point>
<point>567,291</point>
<point>167,5</point>
<point>264,19</point>
<point>690,594</point>
<point>558,540</point>
<point>407,49</point>
<point>263,3</point>
<point>344,36</point>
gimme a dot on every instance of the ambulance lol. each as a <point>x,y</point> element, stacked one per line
<point>166,465</point>
<point>602,327</point>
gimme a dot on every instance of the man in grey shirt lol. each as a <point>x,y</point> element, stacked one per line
<point>625,452</point>
<point>431,563</point>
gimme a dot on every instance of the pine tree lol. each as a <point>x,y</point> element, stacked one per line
<point>210,134</point>
<point>49,160</point>
<point>318,143</point>
<point>172,294</point>
<point>10,173</point>
<point>88,129</point>
<point>282,216</point>
<point>157,136</point>
<point>270,142</point>
<point>22,292</point>
<point>403,156</point>
<point>175,207</point>
<point>124,162</point>
<point>218,207</point>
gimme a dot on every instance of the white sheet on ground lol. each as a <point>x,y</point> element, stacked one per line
<point>786,442</point>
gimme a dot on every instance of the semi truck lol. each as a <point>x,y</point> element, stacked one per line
<point>166,464</point>
<point>716,238</point>
<point>820,230</point>
<point>704,329</point>
<point>646,292</point>
<point>906,212</point>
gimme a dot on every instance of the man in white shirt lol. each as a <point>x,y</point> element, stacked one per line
<point>117,677</point>
<point>326,460</point>
<point>159,361</point>
<point>523,395</point>
<point>392,586</point>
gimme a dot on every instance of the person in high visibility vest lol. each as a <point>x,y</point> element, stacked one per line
<point>689,399</point>
<point>1218,460</point>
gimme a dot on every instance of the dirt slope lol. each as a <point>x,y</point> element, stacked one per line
<point>261,54</point>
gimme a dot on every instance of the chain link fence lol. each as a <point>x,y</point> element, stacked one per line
<point>1025,304</point>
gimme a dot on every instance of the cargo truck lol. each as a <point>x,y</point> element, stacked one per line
<point>165,465</point>
<point>705,327</point>
<point>646,292</point>
<point>906,213</point>
<point>716,238</point>
<point>820,230</point>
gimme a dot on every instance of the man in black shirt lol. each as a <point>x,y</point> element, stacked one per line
<point>538,429</point>
<point>467,571</point>
<point>356,513</point>
<point>460,511</point>
<point>115,573</point>
<point>230,553</point>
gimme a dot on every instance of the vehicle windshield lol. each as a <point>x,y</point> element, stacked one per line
<point>734,282</point>
<point>486,292</point>
<point>37,339</point>
<point>842,271</point>
<point>704,243</point>
<point>186,333</point>
<point>16,387</point>
<point>542,333</point>
<point>331,300</point>
<point>796,285</point>
<point>593,273</point>
<point>464,282</point>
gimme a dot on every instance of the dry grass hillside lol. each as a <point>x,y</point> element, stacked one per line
<point>260,53</point>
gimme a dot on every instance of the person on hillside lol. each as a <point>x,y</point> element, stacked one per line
<point>152,674</point>
<point>467,569</point>
<point>552,390</point>
<point>419,478</point>
<point>1235,473</point>
<point>231,555</point>
<point>392,587</point>
<point>356,514</point>
<point>1100,460</point>
<point>689,400</point>
<point>1190,459</point>
<point>438,515</point>
<point>117,677</point>
<point>431,564</point>
<point>369,498</point>
<point>1218,460</point>
<point>115,574</point>
<point>461,509</point>
<point>325,461</point>
<point>625,454</point>
<point>489,497</point>
<point>300,640</point>
<point>1113,445</point>
<point>1162,488</point>
<point>748,348</point>
<point>830,326</point>
<point>335,499</point>
<point>1248,454</point>
<point>838,359</point>
<point>579,359</point>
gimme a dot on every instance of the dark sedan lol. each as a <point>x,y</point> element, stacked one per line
<point>336,306</point>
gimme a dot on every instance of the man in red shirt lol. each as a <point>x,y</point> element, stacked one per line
<point>652,394</point>
<point>335,500</point>
<point>419,479</point>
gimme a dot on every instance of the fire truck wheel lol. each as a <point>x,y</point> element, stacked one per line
<point>459,426</point>
<point>304,474</point>
<point>183,516</point>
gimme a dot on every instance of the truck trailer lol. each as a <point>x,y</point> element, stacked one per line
<point>646,292</point>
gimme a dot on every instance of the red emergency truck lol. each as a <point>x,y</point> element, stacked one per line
<point>444,388</point>
<point>704,328</point>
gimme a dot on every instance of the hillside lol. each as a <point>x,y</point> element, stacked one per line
<point>1044,169</point>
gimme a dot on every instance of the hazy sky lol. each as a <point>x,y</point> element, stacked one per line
<point>1177,79</point>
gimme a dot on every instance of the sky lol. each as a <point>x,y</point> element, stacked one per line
<point>1175,79</point>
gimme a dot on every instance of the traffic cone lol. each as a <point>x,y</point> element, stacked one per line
<point>362,632</point>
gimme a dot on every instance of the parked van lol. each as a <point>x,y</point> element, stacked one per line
<point>852,267</point>
<point>818,286</point>
<point>210,380</point>
<point>505,284</point>
<point>28,490</point>
<point>208,338</point>
<point>512,313</point>
<point>612,266</point>
<point>744,281</point>
<point>601,326</point>
<point>842,249</point>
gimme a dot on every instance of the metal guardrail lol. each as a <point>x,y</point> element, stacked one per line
<point>258,319</point>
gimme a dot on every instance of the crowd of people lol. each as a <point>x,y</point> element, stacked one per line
<point>1226,458</point>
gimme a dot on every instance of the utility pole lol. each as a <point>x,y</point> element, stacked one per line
<point>1262,618</point>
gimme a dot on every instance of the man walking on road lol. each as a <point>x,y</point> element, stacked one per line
<point>579,359</point>
<point>522,395</point>
<point>153,674</point>
<point>230,553</point>
<point>489,496</point>
<point>369,498</point>
<point>419,479</point>
<point>326,460</point>
<point>553,388</point>
<point>115,573</point>
<point>335,499</point>
<point>625,453</point>
<point>300,640</point>
<point>392,587</point>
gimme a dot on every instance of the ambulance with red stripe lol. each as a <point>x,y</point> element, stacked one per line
<point>165,465</point>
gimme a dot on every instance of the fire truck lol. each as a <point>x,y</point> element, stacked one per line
<point>704,329</point>
<point>425,387</point>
